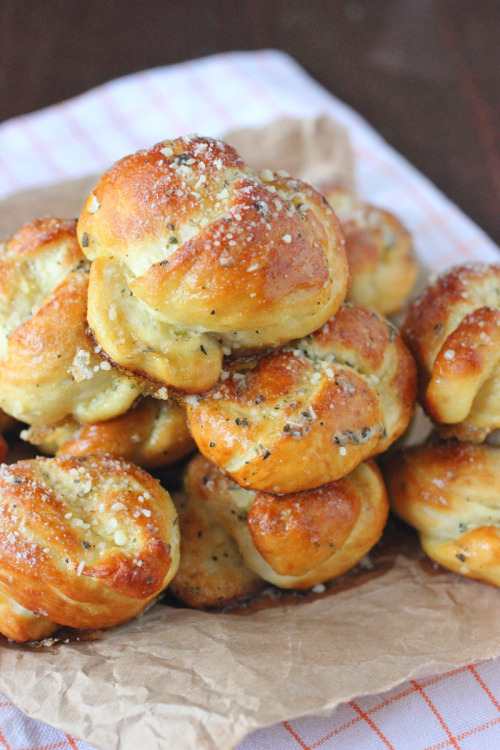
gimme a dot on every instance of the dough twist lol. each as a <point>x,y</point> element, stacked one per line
<point>151,434</point>
<point>49,365</point>
<point>308,414</point>
<point>85,542</point>
<point>212,570</point>
<point>196,255</point>
<point>300,539</point>
<point>453,330</point>
<point>449,493</point>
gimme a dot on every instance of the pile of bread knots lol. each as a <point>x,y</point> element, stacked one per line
<point>198,306</point>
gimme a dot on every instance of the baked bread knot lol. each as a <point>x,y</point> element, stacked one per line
<point>380,255</point>
<point>85,542</point>
<point>49,365</point>
<point>19,624</point>
<point>453,330</point>
<point>212,571</point>
<point>196,255</point>
<point>449,493</point>
<point>306,415</point>
<point>301,539</point>
<point>151,434</point>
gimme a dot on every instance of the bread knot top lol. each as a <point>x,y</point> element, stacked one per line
<point>86,542</point>
<point>196,255</point>
<point>307,414</point>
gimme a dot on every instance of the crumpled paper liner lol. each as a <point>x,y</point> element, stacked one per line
<point>182,679</point>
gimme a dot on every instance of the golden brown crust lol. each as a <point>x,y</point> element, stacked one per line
<point>212,570</point>
<point>19,624</point>
<point>298,540</point>
<point>195,253</point>
<point>449,493</point>
<point>49,366</point>
<point>86,542</point>
<point>380,255</point>
<point>151,434</point>
<point>453,329</point>
<point>308,414</point>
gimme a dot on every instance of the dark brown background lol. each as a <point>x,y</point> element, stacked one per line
<point>425,73</point>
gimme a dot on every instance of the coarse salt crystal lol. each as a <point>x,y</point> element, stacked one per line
<point>266,175</point>
<point>93,204</point>
<point>120,538</point>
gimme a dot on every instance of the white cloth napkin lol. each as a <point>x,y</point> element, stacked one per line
<point>211,96</point>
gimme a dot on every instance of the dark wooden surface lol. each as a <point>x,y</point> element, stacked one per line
<point>424,73</point>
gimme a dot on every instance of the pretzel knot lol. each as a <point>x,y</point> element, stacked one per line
<point>152,434</point>
<point>85,542</point>
<point>453,329</point>
<point>300,539</point>
<point>449,493</point>
<point>49,365</point>
<point>379,249</point>
<point>308,414</point>
<point>195,255</point>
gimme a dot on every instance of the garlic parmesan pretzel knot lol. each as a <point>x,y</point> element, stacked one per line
<point>379,249</point>
<point>308,414</point>
<point>151,434</point>
<point>296,540</point>
<point>84,542</point>
<point>196,255</point>
<point>449,493</point>
<point>49,368</point>
<point>453,330</point>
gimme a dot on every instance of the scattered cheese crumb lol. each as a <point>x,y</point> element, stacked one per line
<point>320,588</point>
<point>93,204</point>
<point>120,538</point>
<point>266,175</point>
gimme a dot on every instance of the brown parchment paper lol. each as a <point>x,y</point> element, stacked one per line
<point>182,679</point>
